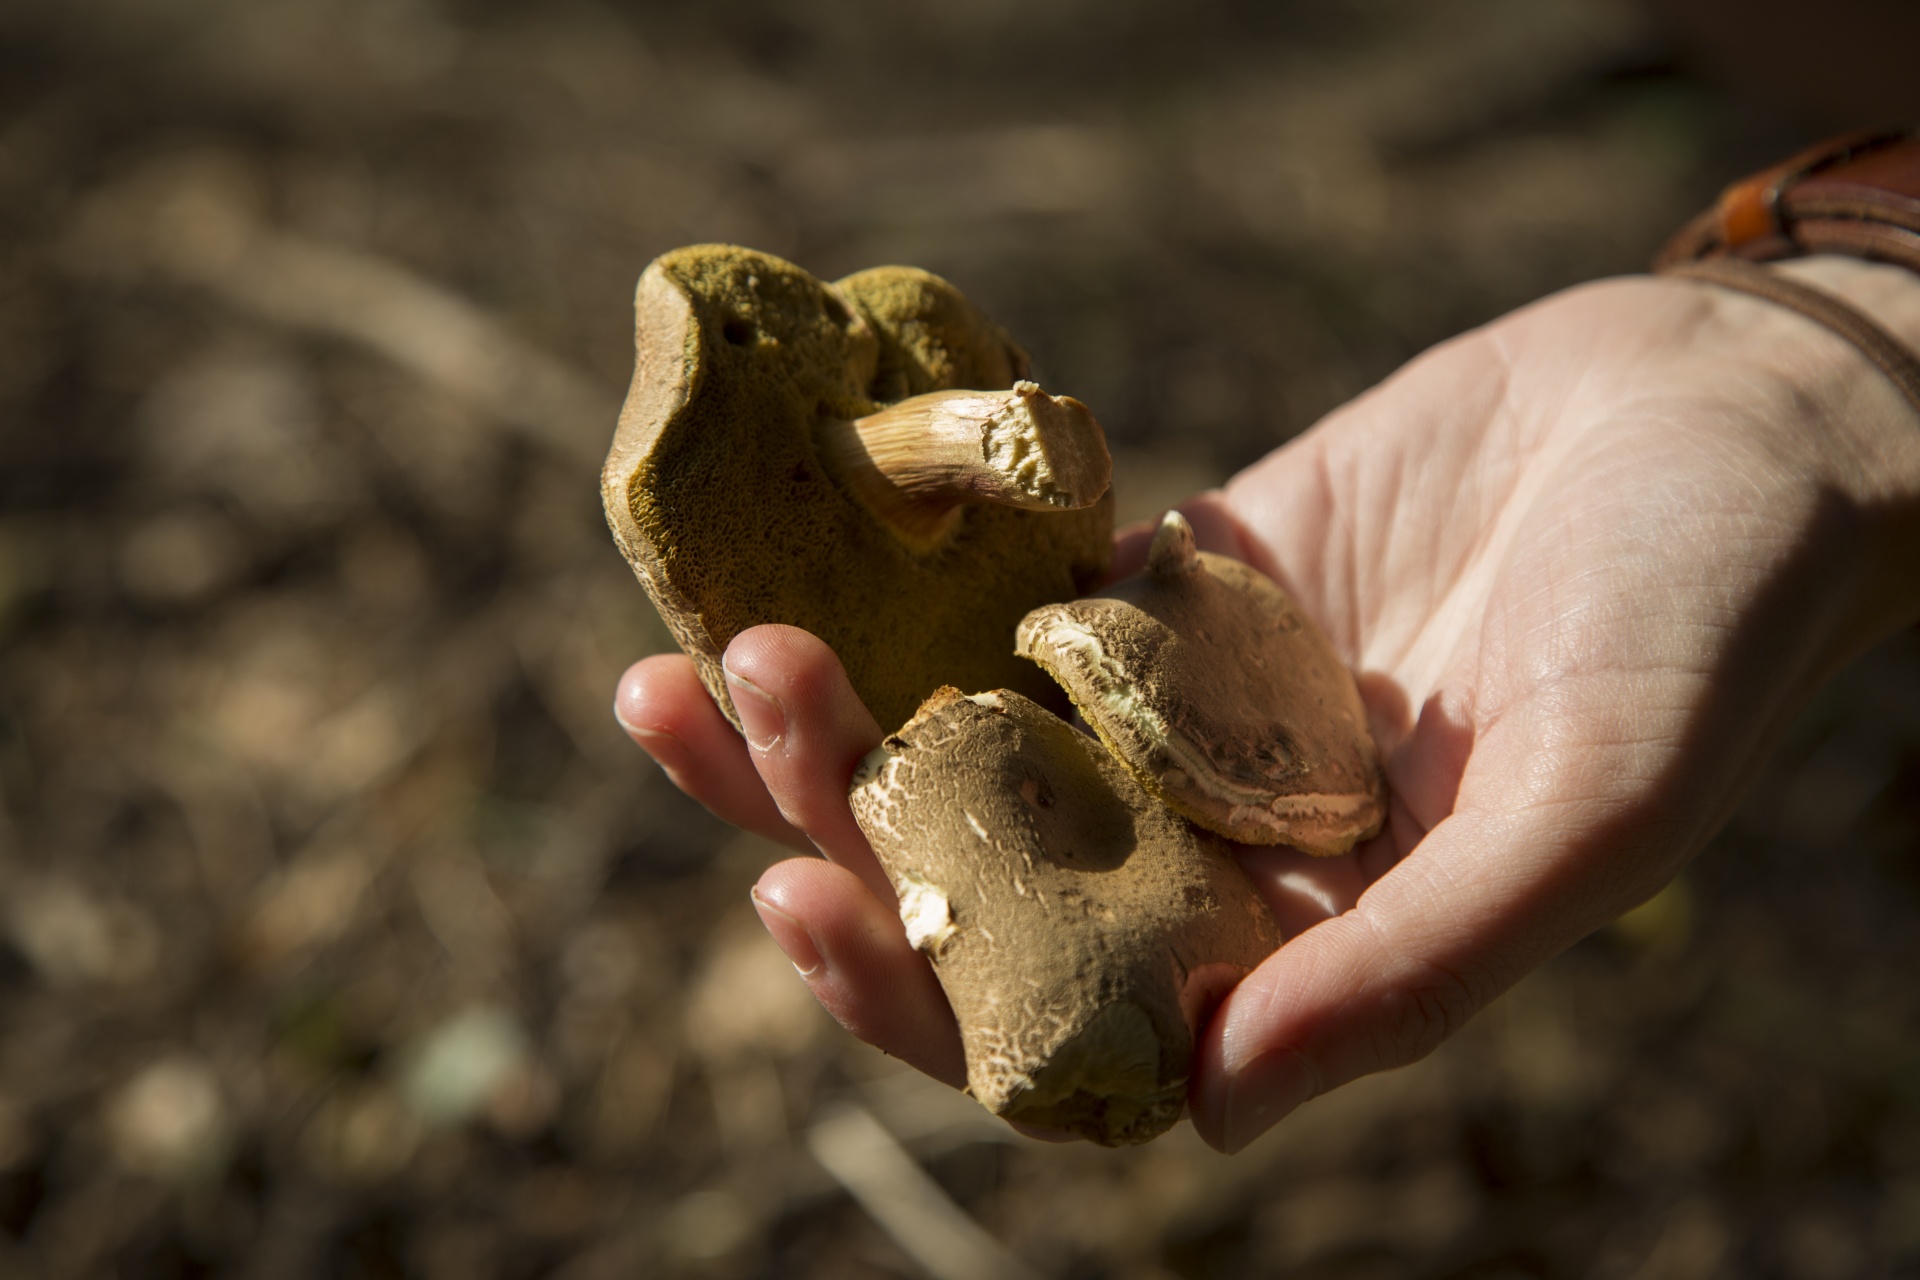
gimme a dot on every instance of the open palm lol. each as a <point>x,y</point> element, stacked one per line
<point>1586,562</point>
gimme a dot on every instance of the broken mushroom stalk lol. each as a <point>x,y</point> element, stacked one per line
<point>1081,930</point>
<point>848,458</point>
<point>917,463</point>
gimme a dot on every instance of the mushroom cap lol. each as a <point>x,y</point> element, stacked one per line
<point>1079,928</point>
<point>1225,700</point>
<point>717,494</point>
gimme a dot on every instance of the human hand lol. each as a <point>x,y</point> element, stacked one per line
<point>1586,561</point>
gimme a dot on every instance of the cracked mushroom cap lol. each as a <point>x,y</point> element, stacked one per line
<point>1224,700</point>
<point>1080,929</point>
<point>741,494</point>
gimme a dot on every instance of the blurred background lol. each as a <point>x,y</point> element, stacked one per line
<point>343,934</point>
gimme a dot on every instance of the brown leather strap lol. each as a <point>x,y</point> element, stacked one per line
<point>1857,195</point>
<point>1886,351</point>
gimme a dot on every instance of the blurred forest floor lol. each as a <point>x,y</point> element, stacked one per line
<point>343,932</point>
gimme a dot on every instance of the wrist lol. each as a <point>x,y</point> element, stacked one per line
<point>1886,294</point>
<point>1830,443</point>
<point>1825,221</point>
<point>1880,428</point>
<point>1875,432</point>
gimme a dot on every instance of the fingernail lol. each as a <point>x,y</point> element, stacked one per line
<point>666,749</point>
<point>1262,1094</point>
<point>790,934</point>
<point>761,715</point>
<point>622,714</point>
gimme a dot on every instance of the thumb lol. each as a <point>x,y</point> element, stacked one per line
<point>1478,903</point>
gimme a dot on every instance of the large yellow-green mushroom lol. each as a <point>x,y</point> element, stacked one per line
<point>786,454</point>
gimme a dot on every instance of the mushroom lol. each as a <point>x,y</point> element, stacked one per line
<point>1220,696</point>
<point>822,455</point>
<point>1082,931</point>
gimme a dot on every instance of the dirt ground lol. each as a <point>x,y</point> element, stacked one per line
<point>343,934</point>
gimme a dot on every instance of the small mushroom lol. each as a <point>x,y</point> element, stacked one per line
<point>810,453</point>
<point>1223,699</point>
<point>1081,930</point>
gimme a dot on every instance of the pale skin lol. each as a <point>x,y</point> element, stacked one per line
<point>1588,562</point>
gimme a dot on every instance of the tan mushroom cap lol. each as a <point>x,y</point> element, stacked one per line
<point>1079,927</point>
<point>723,491</point>
<point>1223,699</point>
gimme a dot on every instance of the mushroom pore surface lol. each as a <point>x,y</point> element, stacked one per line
<point>1079,928</point>
<point>718,491</point>
<point>1223,699</point>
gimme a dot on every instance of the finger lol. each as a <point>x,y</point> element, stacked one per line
<point>806,732</point>
<point>1354,994</point>
<point>1486,897</point>
<point>1215,528</point>
<point>663,706</point>
<point>852,951</point>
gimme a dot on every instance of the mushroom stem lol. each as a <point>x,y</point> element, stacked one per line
<point>1173,551</point>
<point>917,462</point>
